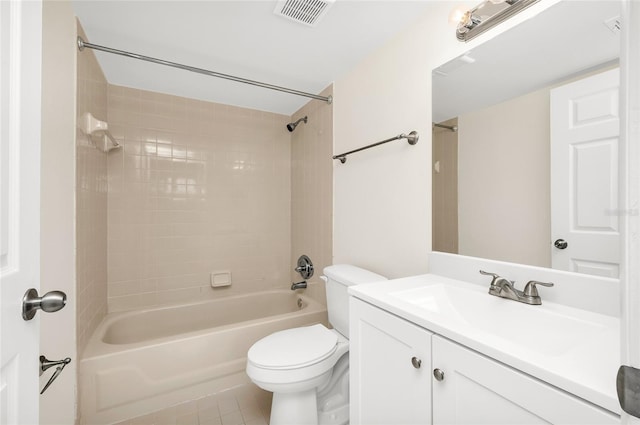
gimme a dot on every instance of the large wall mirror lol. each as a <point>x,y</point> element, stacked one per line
<point>525,162</point>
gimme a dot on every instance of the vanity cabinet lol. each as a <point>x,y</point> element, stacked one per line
<point>390,368</point>
<point>393,368</point>
<point>476,389</point>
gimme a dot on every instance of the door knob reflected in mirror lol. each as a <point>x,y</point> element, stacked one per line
<point>561,244</point>
<point>49,302</point>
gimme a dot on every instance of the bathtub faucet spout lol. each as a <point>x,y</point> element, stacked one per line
<point>299,285</point>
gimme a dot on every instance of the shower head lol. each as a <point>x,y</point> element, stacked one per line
<point>292,125</point>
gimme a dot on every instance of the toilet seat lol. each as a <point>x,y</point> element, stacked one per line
<point>294,348</point>
<point>313,370</point>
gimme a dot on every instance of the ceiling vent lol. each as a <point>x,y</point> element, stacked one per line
<point>307,12</point>
<point>613,24</point>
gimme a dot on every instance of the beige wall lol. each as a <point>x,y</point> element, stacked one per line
<point>91,202</point>
<point>57,226</point>
<point>504,192</point>
<point>198,187</point>
<point>382,200</point>
<point>311,190</point>
<point>517,129</point>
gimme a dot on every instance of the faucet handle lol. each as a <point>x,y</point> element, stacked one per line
<point>497,282</point>
<point>496,278</point>
<point>495,275</point>
<point>530,289</point>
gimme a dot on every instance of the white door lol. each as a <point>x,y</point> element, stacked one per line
<point>630,157</point>
<point>20,59</point>
<point>585,217</point>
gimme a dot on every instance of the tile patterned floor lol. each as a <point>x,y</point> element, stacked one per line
<point>244,405</point>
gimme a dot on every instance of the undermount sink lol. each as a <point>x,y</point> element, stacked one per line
<point>552,330</point>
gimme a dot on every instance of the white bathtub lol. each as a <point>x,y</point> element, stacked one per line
<point>139,362</point>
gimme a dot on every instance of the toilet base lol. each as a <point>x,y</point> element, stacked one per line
<point>298,408</point>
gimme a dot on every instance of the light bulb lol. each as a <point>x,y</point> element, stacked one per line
<point>457,15</point>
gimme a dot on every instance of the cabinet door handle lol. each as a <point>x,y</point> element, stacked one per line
<point>438,374</point>
<point>416,362</point>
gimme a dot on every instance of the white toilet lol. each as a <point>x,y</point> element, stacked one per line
<point>307,368</point>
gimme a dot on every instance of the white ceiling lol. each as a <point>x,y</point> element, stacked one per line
<point>241,38</point>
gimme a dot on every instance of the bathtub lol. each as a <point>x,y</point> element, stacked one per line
<point>142,361</point>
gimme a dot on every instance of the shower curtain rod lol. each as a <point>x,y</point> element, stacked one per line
<point>82,44</point>
<point>453,128</point>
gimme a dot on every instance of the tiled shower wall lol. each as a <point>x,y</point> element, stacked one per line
<point>91,202</point>
<point>312,188</point>
<point>197,188</point>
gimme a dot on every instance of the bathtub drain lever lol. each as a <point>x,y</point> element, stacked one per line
<point>46,364</point>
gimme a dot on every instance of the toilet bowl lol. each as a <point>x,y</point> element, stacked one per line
<point>294,364</point>
<point>307,368</point>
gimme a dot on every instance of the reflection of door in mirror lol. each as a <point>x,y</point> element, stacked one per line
<point>445,187</point>
<point>498,202</point>
<point>585,129</point>
<point>499,92</point>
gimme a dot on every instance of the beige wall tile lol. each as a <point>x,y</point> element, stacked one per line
<point>91,202</point>
<point>311,189</point>
<point>197,187</point>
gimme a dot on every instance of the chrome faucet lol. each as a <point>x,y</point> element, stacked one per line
<point>299,285</point>
<point>503,288</point>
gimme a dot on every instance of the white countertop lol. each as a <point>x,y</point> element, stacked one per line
<point>584,366</point>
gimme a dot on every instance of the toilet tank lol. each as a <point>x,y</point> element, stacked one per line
<point>339,278</point>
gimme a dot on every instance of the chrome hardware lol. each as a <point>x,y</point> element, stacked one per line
<point>530,289</point>
<point>438,374</point>
<point>305,267</point>
<point>504,288</point>
<point>412,139</point>
<point>487,15</point>
<point>561,244</point>
<point>453,128</point>
<point>46,364</point>
<point>416,362</point>
<point>300,303</point>
<point>497,283</point>
<point>49,302</point>
<point>82,44</point>
<point>299,285</point>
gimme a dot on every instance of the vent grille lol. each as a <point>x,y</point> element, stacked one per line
<point>613,24</point>
<point>307,12</point>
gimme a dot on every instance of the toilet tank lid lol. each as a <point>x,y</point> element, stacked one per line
<point>351,275</point>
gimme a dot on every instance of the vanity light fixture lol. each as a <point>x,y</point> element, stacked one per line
<point>487,15</point>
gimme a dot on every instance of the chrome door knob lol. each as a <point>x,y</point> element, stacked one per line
<point>561,244</point>
<point>49,302</point>
<point>416,362</point>
<point>438,374</point>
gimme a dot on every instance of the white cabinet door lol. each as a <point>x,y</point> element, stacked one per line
<point>478,390</point>
<point>389,368</point>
